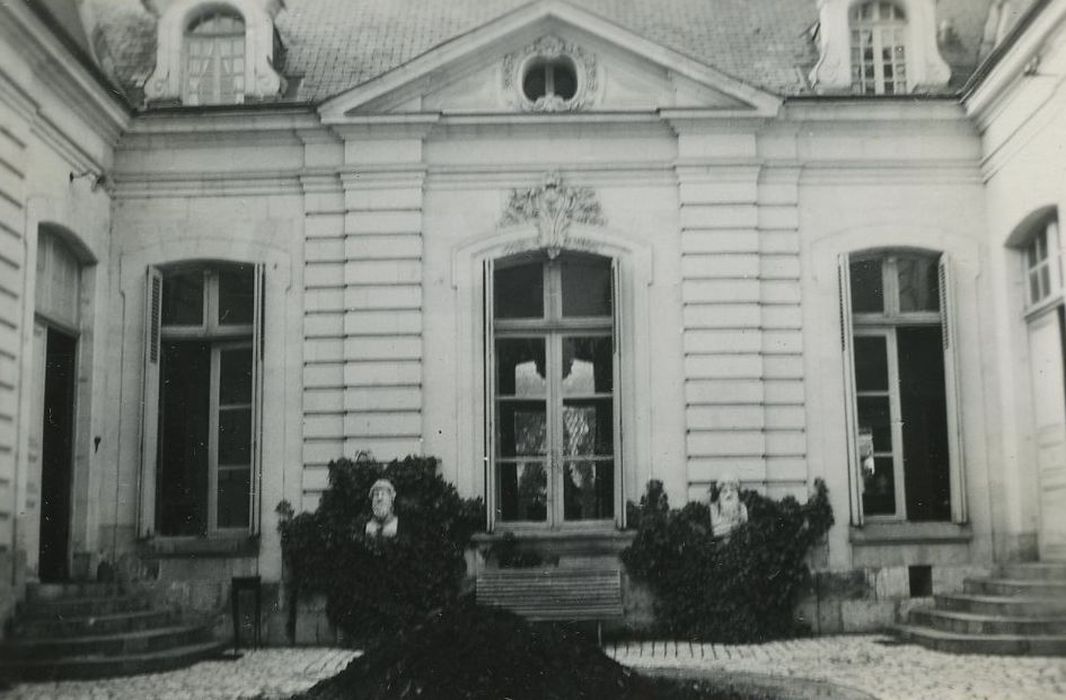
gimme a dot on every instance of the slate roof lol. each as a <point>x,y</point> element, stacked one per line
<point>334,45</point>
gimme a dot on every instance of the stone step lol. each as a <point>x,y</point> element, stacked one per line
<point>1029,588</point>
<point>89,667</point>
<point>115,645</point>
<point>1004,606</point>
<point>37,592</point>
<point>63,608</point>
<point>974,623</point>
<point>1039,570</point>
<point>999,644</point>
<point>94,625</point>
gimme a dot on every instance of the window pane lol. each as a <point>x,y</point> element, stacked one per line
<point>588,427</point>
<point>523,429</point>
<point>519,291</point>
<point>522,491</point>
<point>235,295</point>
<point>875,417</point>
<point>919,284</point>
<point>565,81</point>
<point>586,286</point>
<point>867,287</point>
<point>879,489</point>
<point>233,491</point>
<point>587,366</point>
<point>184,410</point>
<point>871,364</point>
<point>588,490</point>
<point>183,299</point>
<point>923,403</point>
<point>520,367</point>
<point>534,85</point>
<point>235,436</point>
<point>235,377</point>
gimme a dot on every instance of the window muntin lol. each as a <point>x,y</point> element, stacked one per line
<point>878,48</point>
<point>555,422</point>
<point>206,401</point>
<point>214,59</point>
<point>1042,264</point>
<point>900,386</point>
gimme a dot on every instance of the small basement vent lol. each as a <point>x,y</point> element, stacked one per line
<point>921,581</point>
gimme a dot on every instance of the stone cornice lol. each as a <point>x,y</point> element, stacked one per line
<point>54,66</point>
<point>982,100</point>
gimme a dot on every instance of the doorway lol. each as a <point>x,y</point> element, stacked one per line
<point>1049,414</point>
<point>57,442</point>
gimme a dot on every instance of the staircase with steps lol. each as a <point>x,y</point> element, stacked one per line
<point>92,630</point>
<point>1020,610</point>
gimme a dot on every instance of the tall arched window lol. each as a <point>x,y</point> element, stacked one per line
<point>202,397</point>
<point>903,406</point>
<point>554,390</point>
<point>214,59</point>
<point>878,48</point>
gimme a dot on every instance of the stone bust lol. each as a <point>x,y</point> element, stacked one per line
<point>727,512</point>
<point>384,523</point>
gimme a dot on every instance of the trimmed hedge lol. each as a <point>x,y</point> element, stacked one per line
<point>375,586</point>
<point>740,589</point>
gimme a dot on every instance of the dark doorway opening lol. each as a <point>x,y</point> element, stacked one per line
<point>57,443</point>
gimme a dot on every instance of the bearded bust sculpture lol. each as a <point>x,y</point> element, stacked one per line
<point>727,511</point>
<point>384,523</point>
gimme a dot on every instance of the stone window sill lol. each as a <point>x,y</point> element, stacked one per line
<point>878,534</point>
<point>199,547</point>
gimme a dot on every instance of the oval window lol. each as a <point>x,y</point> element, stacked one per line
<point>550,78</point>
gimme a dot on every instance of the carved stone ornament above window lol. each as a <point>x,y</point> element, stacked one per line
<point>554,56</point>
<point>552,207</point>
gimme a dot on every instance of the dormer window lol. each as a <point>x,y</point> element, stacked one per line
<point>215,52</point>
<point>878,48</point>
<point>214,60</point>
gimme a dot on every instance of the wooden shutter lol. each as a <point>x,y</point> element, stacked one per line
<point>616,342</point>
<point>153,309</point>
<point>950,338</point>
<point>851,426</point>
<point>256,477</point>
<point>489,391</point>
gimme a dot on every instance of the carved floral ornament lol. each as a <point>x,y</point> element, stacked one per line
<point>552,207</point>
<point>516,64</point>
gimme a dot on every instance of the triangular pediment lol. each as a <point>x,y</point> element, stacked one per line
<point>483,72</point>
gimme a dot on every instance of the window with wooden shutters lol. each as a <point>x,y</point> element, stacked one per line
<point>901,377</point>
<point>203,396</point>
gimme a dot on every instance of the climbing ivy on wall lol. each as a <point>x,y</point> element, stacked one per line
<point>375,585</point>
<point>740,589</point>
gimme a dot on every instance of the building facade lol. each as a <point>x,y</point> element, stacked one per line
<point>565,247</point>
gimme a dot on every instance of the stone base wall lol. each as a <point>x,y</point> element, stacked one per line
<point>872,599</point>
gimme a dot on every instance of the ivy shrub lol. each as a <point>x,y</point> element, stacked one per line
<point>743,588</point>
<point>377,585</point>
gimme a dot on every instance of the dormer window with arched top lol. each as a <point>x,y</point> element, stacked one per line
<point>214,50</point>
<point>878,48</point>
